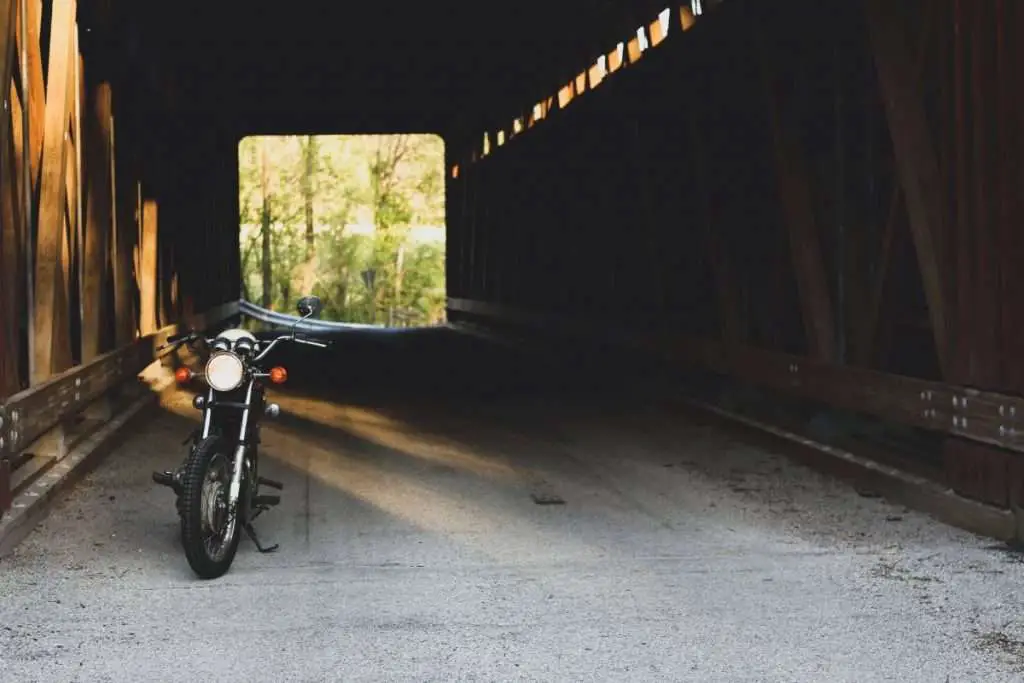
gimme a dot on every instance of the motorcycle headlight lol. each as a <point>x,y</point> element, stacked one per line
<point>224,371</point>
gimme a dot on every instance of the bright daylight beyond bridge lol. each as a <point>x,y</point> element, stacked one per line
<point>356,220</point>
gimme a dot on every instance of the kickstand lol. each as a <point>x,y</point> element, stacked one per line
<point>252,535</point>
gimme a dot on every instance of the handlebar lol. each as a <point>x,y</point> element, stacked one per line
<point>300,340</point>
<point>177,340</point>
<point>188,337</point>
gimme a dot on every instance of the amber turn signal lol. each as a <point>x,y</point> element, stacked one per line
<point>183,375</point>
<point>278,375</point>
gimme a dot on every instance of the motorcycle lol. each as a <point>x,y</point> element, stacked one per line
<point>217,485</point>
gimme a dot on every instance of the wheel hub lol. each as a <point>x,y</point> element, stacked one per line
<point>214,504</point>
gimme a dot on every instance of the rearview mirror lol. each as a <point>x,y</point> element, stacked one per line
<point>309,306</point>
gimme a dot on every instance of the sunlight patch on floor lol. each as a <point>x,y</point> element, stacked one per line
<point>482,520</point>
<point>475,520</point>
<point>390,433</point>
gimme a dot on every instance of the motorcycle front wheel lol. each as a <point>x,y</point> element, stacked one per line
<point>207,534</point>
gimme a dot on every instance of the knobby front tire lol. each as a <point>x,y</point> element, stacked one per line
<point>207,479</point>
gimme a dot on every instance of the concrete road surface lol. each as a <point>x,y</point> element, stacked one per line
<point>413,549</point>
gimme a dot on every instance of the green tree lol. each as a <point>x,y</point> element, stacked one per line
<point>299,194</point>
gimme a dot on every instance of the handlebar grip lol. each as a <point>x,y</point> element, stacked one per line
<point>312,342</point>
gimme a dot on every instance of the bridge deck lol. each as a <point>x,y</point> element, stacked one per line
<point>411,549</point>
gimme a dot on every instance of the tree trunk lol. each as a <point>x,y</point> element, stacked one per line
<point>310,153</point>
<point>265,227</point>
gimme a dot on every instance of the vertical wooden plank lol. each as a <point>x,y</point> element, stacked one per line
<point>66,314</point>
<point>99,219</point>
<point>8,21</point>
<point>51,192</point>
<point>18,264</point>
<point>75,206</point>
<point>916,161</point>
<point>11,289</point>
<point>61,342</point>
<point>8,219</point>
<point>124,216</point>
<point>68,309</point>
<point>1011,127</point>
<point>165,267</point>
<point>731,321</point>
<point>148,268</point>
<point>962,313</point>
<point>984,353</point>
<point>35,98</point>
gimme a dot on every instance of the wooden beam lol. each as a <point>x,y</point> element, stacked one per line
<point>49,264</point>
<point>35,97</point>
<point>798,214</point>
<point>15,262</point>
<point>43,407</point>
<point>67,316</point>
<point>75,207</point>
<point>11,263</point>
<point>69,259</point>
<point>124,239</point>
<point>732,324</point>
<point>61,343</point>
<point>8,58</point>
<point>983,354</point>
<point>9,381</point>
<point>916,162</point>
<point>99,218</point>
<point>148,268</point>
<point>869,331</point>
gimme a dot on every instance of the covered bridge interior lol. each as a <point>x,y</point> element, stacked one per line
<point>802,217</point>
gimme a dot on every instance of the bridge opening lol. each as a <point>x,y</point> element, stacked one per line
<point>358,220</point>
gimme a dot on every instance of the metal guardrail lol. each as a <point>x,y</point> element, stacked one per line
<point>255,312</point>
<point>32,413</point>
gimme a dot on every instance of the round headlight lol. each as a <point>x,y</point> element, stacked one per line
<point>224,371</point>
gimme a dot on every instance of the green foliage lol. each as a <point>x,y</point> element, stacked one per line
<point>300,193</point>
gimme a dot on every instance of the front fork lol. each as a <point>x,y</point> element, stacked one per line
<point>235,491</point>
<point>173,479</point>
